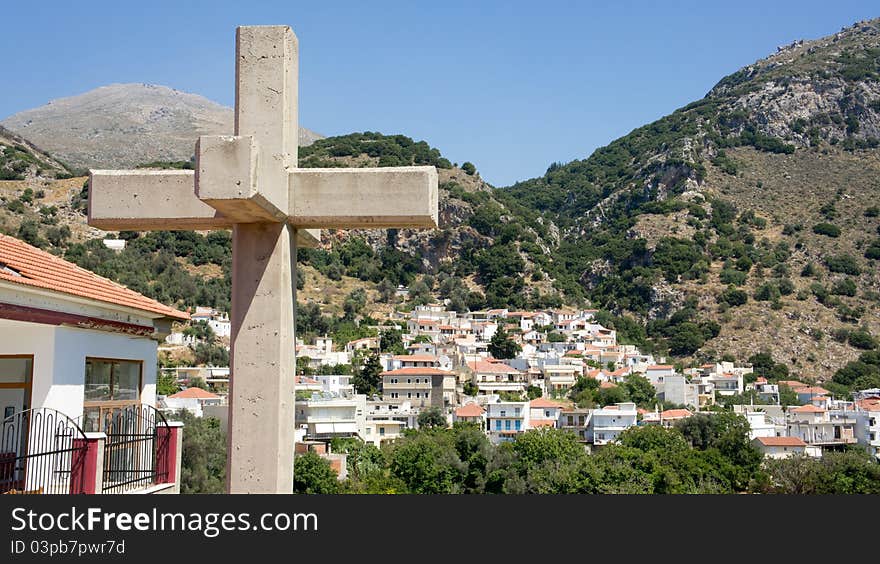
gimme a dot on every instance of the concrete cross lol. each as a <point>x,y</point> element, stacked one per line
<point>249,182</point>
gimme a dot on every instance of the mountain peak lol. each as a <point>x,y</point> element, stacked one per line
<point>124,124</point>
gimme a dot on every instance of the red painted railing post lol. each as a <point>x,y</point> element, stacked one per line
<point>169,448</point>
<point>87,464</point>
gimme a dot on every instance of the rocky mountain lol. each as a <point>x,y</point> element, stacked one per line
<point>122,125</point>
<point>745,221</point>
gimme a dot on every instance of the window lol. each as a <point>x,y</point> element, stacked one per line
<point>516,412</point>
<point>394,395</point>
<point>547,413</point>
<point>518,425</point>
<point>570,420</point>
<point>507,424</point>
<point>110,385</point>
<point>409,380</point>
<point>368,430</point>
<point>409,394</point>
<point>381,430</point>
<point>497,425</point>
<point>503,413</point>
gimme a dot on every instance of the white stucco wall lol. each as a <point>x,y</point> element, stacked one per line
<point>60,359</point>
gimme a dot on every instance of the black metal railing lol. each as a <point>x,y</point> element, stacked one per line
<point>131,448</point>
<point>42,451</point>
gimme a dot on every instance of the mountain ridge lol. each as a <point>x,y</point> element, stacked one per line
<point>124,124</point>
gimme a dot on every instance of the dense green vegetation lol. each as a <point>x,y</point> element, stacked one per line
<point>703,454</point>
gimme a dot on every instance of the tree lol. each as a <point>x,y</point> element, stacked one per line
<point>470,389</point>
<point>502,346</point>
<point>640,390</point>
<point>469,168</point>
<point>537,446</point>
<point>203,462</point>
<point>367,379</point>
<point>391,341</point>
<point>314,475</point>
<point>686,339</point>
<point>354,303</point>
<point>166,384</point>
<point>431,417</point>
<point>533,392</point>
<point>427,462</point>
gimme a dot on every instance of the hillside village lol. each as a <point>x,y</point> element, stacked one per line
<point>513,371</point>
<point>717,265</point>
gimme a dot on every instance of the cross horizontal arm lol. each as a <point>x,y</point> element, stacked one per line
<point>374,198</point>
<point>147,200</point>
<point>158,200</point>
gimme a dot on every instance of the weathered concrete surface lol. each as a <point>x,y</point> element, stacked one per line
<point>364,198</point>
<point>226,179</point>
<point>143,200</point>
<point>266,70</point>
<point>261,410</point>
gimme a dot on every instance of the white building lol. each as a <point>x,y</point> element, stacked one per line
<point>73,341</point>
<point>506,419</point>
<point>72,344</point>
<point>785,447</point>
<point>607,423</point>
<point>326,417</point>
<point>193,400</point>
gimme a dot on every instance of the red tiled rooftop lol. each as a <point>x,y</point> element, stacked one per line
<point>416,371</point>
<point>781,441</point>
<point>544,402</point>
<point>660,367</point>
<point>607,385</point>
<point>40,269</point>
<point>869,404</point>
<point>469,410</point>
<point>194,393</point>
<point>535,423</point>
<point>675,414</point>
<point>491,367</point>
<point>808,409</point>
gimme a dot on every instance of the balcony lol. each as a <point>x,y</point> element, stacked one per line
<point>43,451</point>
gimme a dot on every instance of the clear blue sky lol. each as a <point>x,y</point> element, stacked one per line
<point>511,86</point>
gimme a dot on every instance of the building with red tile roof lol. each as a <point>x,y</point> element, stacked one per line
<point>24,265</point>
<point>81,344</point>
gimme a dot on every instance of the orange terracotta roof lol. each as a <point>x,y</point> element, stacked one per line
<point>469,410</point>
<point>543,402</point>
<point>491,367</point>
<point>415,371</point>
<point>815,390</point>
<point>792,383</point>
<point>305,380</point>
<point>535,423</point>
<point>781,441</point>
<point>40,269</point>
<point>194,393</point>
<point>808,409</point>
<point>660,367</point>
<point>675,414</point>
<point>869,404</point>
<point>607,385</point>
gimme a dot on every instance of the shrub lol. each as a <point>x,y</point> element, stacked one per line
<point>845,287</point>
<point>843,264</point>
<point>733,297</point>
<point>827,229</point>
<point>861,339</point>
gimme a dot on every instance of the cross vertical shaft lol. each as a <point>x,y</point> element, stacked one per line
<point>261,418</point>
